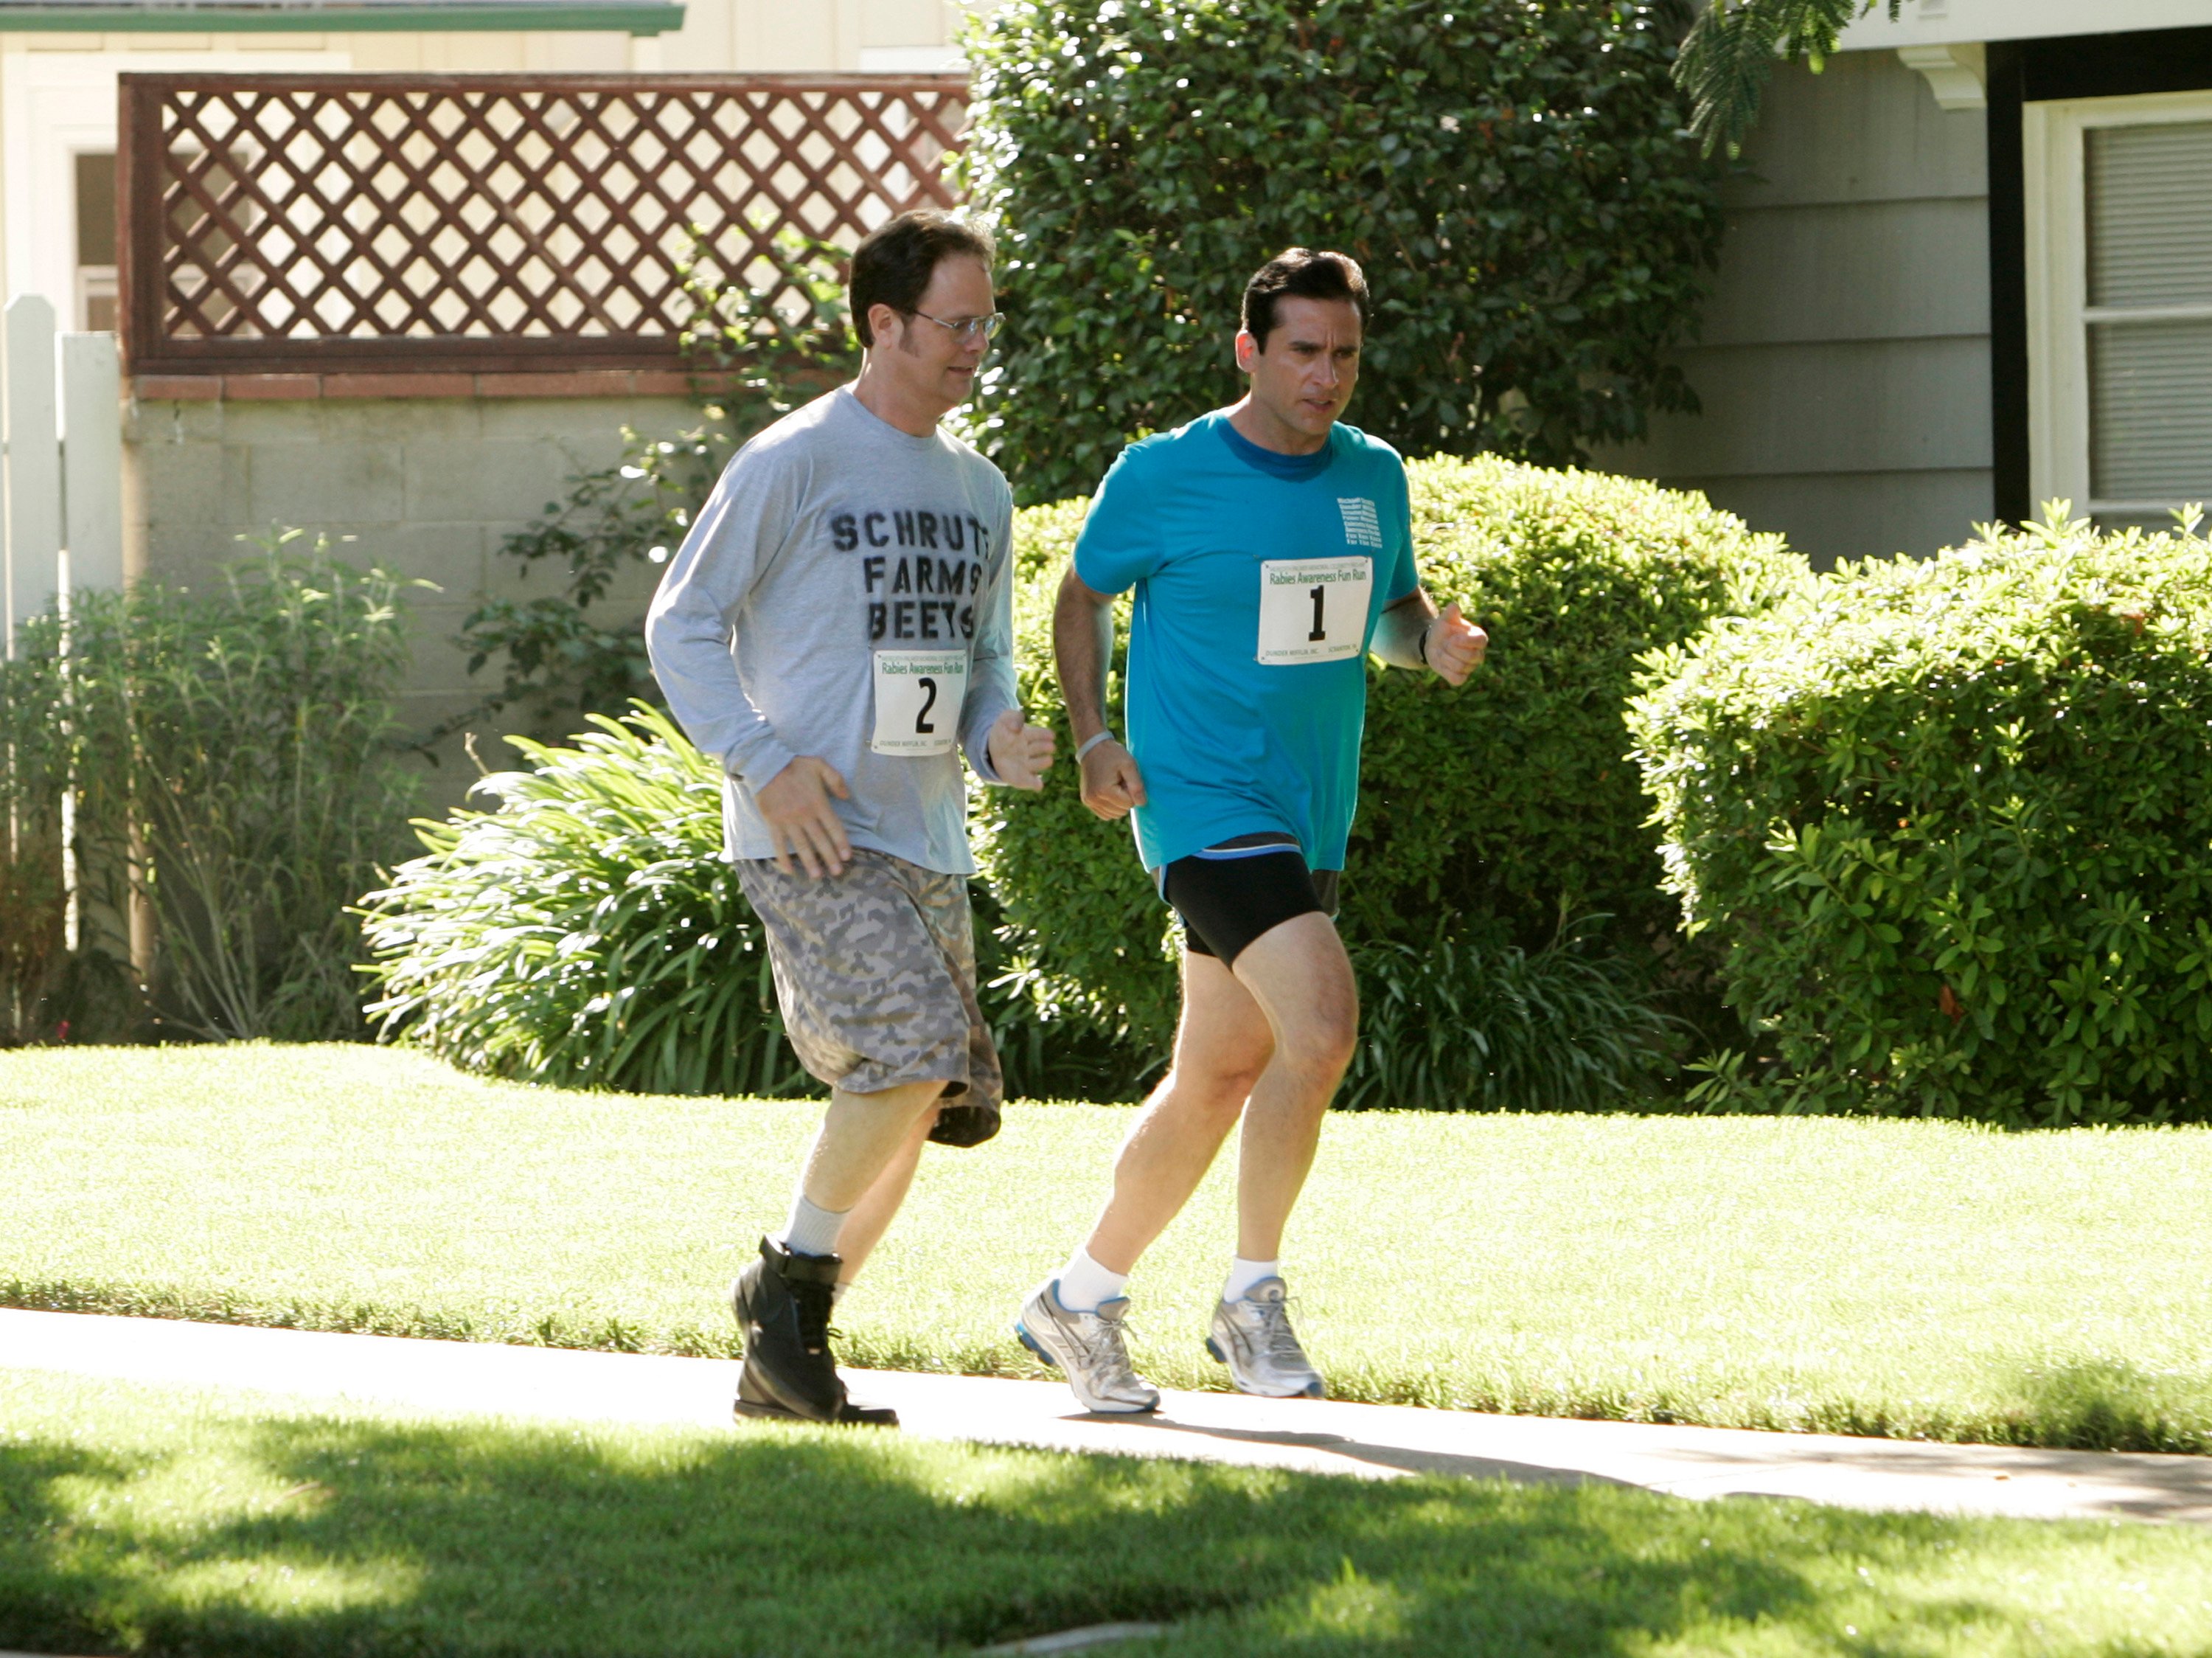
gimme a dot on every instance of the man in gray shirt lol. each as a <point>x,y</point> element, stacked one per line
<point>839,618</point>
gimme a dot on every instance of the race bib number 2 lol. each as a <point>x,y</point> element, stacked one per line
<point>1312,610</point>
<point>919,694</point>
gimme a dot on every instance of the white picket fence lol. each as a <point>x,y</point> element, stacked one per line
<point>63,512</point>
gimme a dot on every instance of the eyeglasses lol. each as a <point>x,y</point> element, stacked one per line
<point>967,330</point>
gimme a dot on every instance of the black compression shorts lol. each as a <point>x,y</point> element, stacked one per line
<point>1229,894</point>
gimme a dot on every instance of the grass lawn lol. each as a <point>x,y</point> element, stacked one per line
<point>174,1522</point>
<point>1865,1277</point>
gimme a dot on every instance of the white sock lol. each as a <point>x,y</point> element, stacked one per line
<point>812,1230</point>
<point>1086,1286</point>
<point>1243,1274</point>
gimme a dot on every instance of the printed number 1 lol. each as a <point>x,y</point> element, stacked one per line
<point>921,725</point>
<point>1320,627</point>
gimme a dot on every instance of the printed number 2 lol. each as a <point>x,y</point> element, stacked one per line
<point>1320,627</point>
<point>921,725</point>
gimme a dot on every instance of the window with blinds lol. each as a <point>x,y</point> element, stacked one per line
<point>2148,318</point>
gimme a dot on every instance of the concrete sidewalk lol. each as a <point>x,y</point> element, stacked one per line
<point>1363,1441</point>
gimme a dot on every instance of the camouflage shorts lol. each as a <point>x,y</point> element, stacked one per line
<point>875,971</point>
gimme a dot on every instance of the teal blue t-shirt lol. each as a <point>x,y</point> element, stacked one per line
<point>1259,579</point>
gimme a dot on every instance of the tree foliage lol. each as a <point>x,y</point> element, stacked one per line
<point>1732,49</point>
<point>1534,221</point>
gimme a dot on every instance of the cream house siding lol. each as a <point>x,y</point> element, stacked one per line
<point>819,35</point>
<point>1843,364</point>
<point>746,36</point>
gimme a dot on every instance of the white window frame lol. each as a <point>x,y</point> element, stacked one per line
<point>55,105</point>
<point>2055,143</point>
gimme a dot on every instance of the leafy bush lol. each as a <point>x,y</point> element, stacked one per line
<point>1451,1025</point>
<point>36,750</point>
<point>230,755</point>
<point>1951,823</point>
<point>586,932</point>
<point>1514,798</point>
<point>1499,811</point>
<point>1534,222</point>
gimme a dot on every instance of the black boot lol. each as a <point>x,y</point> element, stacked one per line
<point>782,1301</point>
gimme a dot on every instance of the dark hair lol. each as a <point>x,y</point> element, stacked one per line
<point>894,263</point>
<point>1301,274</point>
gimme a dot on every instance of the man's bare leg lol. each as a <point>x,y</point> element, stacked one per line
<point>861,1135</point>
<point>1222,1046</point>
<point>1278,1029</point>
<point>1298,975</point>
<point>870,1217</point>
<point>1302,980</point>
<point>1269,1040</point>
<point>783,1299</point>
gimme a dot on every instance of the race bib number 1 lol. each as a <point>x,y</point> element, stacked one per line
<point>1312,610</point>
<point>919,695</point>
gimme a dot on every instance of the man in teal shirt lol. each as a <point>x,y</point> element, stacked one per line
<point>1270,551</point>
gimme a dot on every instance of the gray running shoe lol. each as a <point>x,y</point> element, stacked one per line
<point>1088,1347</point>
<point>1254,1338</point>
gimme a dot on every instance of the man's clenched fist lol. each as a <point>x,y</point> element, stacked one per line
<point>1019,753</point>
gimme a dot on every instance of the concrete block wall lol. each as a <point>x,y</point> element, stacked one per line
<point>426,487</point>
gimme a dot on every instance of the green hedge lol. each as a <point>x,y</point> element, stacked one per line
<point>1534,221</point>
<point>1493,812</point>
<point>586,931</point>
<point>1514,798</point>
<point>1952,823</point>
<point>1085,924</point>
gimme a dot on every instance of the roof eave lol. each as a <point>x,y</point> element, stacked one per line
<point>424,15</point>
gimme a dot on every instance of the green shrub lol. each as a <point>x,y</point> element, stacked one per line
<point>1951,823</point>
<point>1497,811</point>
<point>35,756</point>
<point>1457,1025</point>
<point>586,932</point>
<point>1512,800</point>
<point>243,736</point>
<point>1534,222</point>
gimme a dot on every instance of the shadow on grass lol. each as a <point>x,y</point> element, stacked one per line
<point>334,1536</point>
<point>2106,1405</point>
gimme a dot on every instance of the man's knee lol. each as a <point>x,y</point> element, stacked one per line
<point>1320,1043</point>
<point>1220,1081</point>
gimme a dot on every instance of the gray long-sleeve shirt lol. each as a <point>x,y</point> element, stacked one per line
<point>844,580</point>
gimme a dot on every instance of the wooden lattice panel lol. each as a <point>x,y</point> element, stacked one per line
<point>286,222</point>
